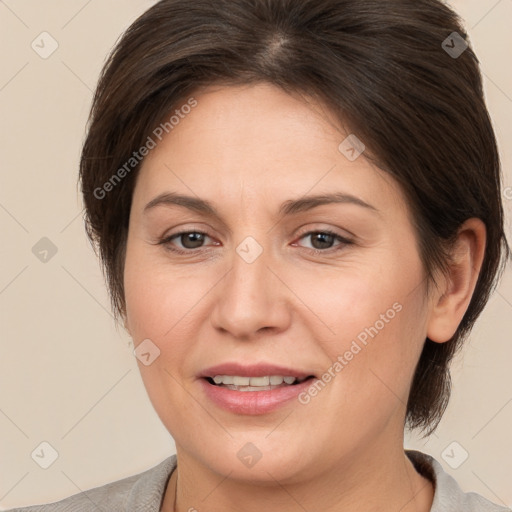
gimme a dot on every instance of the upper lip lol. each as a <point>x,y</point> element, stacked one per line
<point>253,370</point>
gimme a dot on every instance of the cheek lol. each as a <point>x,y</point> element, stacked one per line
<point>159,302</point>
<point>161,298</point>
<point>167,304</point>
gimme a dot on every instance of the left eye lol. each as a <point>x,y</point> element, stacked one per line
<point>322,240</point>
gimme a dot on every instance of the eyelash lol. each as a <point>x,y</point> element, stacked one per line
<point>344,241</point>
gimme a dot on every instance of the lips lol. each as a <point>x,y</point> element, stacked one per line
<point>243,389</point>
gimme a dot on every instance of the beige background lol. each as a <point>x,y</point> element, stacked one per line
<point>67,376</point>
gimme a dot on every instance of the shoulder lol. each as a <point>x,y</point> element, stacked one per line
<point>448,496</point>
<point>143,491</point>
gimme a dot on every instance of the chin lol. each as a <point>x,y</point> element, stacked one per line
<point>260,461</point>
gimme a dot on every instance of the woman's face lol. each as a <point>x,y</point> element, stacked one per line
<point>269,281</point>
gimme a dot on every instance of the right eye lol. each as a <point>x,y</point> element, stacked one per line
<point>189,240</point>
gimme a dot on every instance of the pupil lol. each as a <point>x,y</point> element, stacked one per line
<point>321,238</point>
<point>192,240</point>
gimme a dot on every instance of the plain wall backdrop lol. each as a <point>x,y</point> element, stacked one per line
<point>67,376</point>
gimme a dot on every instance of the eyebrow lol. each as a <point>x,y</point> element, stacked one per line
<point>289,207</point>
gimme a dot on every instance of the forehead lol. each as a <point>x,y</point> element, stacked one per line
<point>258,141</point>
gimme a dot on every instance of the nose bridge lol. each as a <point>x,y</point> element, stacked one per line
<point>251,296</point>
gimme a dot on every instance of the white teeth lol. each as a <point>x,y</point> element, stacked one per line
<point>241,381</point>
<point>223,379</point>
<point>257,382</point>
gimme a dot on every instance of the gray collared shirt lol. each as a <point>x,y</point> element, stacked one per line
<point>144,492</point>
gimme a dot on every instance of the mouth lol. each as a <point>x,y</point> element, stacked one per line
<point>252,383</point>
<point>255,389</point>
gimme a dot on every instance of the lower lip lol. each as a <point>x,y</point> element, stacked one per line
<point>253,402</point>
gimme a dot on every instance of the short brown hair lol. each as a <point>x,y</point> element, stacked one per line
<point>381,68</point>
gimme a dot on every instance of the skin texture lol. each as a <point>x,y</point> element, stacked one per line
<point>247,150</point>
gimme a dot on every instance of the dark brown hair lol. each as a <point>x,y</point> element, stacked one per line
<point>379,66</point>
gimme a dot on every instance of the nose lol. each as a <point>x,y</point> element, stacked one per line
<point>252,298</point>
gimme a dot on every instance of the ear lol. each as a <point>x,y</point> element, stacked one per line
<point>452,300</point>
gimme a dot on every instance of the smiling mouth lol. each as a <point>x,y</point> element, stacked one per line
<point>265,383</point>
